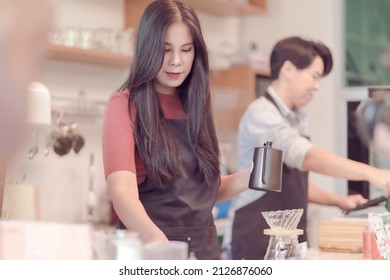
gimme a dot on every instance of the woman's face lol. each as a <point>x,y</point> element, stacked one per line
<point>179,55</point>
<point>305,83</point>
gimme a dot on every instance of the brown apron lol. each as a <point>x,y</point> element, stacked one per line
<point>183,208</point>
<point>248,240</point>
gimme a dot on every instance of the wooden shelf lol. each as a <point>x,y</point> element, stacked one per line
<point>135,8</point>
<point>228,7</point>
<point>262,72</point>
<point>102,58</point>
<point>239,85</point>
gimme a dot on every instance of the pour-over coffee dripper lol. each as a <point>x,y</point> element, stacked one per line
<point>283,233</point>
<point>283,220</point>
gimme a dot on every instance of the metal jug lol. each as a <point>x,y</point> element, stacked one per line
<point>266,173</point>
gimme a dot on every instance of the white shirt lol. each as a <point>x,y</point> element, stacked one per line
<point>262,122</point>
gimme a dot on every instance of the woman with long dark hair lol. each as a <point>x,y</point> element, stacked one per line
<point>160,148</point>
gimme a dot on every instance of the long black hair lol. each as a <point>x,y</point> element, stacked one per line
<point>156,144</point>
<point>299,52</point>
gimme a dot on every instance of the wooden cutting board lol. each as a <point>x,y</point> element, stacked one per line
<point>342,234</point>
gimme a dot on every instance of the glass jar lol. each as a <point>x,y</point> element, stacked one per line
<point>282,244</point>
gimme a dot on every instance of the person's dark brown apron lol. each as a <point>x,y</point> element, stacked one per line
<point>183,208</point>
<point>248,240</point>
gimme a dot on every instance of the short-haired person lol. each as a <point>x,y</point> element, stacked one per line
<point>297,66</point>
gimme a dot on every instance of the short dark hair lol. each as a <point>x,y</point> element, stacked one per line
<point>299,52</point>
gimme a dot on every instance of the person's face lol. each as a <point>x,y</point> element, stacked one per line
<point>179,55</point>
<point>305,83</point>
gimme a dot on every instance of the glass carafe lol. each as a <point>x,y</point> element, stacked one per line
<point>283,232</point>
<point>282,244</point>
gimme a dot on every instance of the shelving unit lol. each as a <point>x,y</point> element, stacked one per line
<point>134,8</point>
<point>241,79</point>
<point>95,57</point>
<point>262,72</point>
<point>228,7</point>
<point>81,109</point>
<point>232,91</point>
<point>133,12</point>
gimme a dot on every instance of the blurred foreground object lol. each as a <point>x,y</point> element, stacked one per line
<point>23,43</point>
<point>379,224</point>
<point>28,240</point>
<point>24,39</point>
<point>373,119</point>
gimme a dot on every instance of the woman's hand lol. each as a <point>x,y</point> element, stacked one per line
<point>158,237</point>
<point>122,187</point>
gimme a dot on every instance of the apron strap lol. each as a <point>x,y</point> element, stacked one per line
<point>269,98</point>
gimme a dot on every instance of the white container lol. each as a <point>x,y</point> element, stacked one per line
<point>127,245</point>
<point>116,244</point>
<point>21,202</point>
<point>39,110</point>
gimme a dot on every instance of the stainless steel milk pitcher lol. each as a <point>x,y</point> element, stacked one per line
<point>267,167</point>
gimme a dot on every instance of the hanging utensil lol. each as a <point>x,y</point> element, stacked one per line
<point>48,142</point>
<point>35,146</point>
